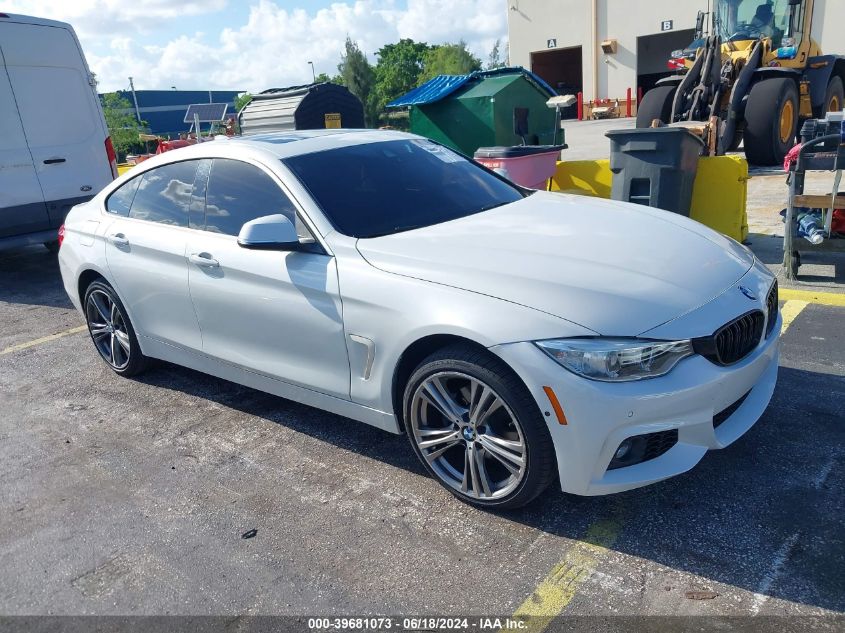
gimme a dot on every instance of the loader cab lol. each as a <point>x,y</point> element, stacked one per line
<point>783,24</point>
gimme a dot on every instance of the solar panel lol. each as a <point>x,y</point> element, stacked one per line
<point>208,112</point>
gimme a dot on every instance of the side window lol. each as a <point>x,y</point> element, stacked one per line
<point>120,201</point>
<point>239,192</point>
<point>164,194</point>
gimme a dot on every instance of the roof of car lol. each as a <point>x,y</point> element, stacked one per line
<point>298,142</point>
<point>275,145</point>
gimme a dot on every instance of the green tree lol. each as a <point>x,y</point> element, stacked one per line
<point>322,77</point>
<point>448,59</point>
<point>358,75</point>
<point>498,58</point>
<point>398,70</point>
<point>123,126</point>
<point>241,100</point>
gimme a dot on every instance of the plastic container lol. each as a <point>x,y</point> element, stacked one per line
<point>527,165</point>
<point>654,166</point>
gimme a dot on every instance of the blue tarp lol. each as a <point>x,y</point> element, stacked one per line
<point>444,85</point>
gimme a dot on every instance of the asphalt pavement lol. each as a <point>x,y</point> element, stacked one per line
<point>181,494</point>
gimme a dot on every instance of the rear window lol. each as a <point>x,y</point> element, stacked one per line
<point>382,188</point>
<point>165,193</point>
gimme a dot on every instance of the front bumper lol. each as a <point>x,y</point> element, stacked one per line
<point>600,415</point>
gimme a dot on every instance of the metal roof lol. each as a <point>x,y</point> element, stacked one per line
<point>444,85</point>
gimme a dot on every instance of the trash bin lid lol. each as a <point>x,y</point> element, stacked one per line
<point>515,151</point>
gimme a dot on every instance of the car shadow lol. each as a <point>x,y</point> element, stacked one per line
<point>739,517</point>
<point>30,276</point>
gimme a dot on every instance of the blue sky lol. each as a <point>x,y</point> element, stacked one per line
<point>254,44</point>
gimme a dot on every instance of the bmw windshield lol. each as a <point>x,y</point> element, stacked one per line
<point>376,189</point>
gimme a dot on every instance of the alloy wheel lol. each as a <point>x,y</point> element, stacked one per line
<point>108,329</point>
<point>468,435</point>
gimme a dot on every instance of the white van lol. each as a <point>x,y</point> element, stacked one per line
<point>55,150</point>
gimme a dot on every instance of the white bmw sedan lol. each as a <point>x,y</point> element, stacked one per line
<point>515,336</point>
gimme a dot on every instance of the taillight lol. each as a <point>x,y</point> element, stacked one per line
<point>112,157</point>
<point>61,235</point>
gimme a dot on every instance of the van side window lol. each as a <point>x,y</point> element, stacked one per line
<point>239,192</point>
<point>120,201</point>
<point>164,194</point>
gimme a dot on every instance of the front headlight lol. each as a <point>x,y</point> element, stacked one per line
<point>616,359</point>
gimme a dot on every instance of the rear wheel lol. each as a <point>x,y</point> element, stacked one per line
<point>477,430</point>
<point>657,104</point>
<point>835,96</point>
<point>771,120</point>
<point>111,331</point>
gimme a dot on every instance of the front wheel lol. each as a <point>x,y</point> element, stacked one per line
<point>477,430</point>
<point>771,121</point>
<point>111,331</point>
<point>657,104</point>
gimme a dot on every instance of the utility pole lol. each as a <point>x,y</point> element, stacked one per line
<point>135,99</point>
<point>313,72</point>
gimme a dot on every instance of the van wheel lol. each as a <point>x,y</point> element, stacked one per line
<point>53,246</point>
<point>477,430</point>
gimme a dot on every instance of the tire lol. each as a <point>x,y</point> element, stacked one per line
<point>505,415</point>
<point>111,331</point>
<point>657,104</point>
<point>768,135</point>
<point>735,142</point>
<point>53,246</point>
<point>834,99</point>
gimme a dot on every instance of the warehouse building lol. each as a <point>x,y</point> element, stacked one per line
<point>164,110</point>
<point>603,48</point>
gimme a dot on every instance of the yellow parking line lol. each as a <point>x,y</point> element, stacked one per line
<point>44,339</point>
<point>790,310</point>
<point>811,296</point>
<point>559,587</point>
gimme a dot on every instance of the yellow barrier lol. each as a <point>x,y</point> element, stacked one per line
<point>122,168</point>
<point>718,196</point>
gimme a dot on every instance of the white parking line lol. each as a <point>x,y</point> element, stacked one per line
<point>771,576</point>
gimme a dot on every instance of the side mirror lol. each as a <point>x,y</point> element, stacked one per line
<point>269,233</point>
<point>699,25</point>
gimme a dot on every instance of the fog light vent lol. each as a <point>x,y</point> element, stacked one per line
<point>641,448</point>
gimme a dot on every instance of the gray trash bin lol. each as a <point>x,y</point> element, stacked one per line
<point>654,166</point>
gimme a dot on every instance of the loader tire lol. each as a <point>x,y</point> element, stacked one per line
<point>771,121</point>
<point>657,104</point>
<point>834,99</point>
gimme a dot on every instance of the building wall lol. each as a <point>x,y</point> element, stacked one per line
<point>585,23</point>
<point>164,110</point>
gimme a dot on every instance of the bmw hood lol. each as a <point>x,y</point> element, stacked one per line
<point>615,268</point>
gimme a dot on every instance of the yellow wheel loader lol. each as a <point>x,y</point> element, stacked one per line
<point>758,74</point>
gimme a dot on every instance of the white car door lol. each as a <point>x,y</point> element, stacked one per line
<point>276,313</point>
<point>145,252</point>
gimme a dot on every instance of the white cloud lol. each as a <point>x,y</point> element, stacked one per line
<point>266,46</point>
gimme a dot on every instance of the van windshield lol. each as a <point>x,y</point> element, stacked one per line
<point>376,189</point>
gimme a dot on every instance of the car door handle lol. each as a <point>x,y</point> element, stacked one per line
<point>203,259</point>
<point>118,239</point>
<point>53,161</point>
